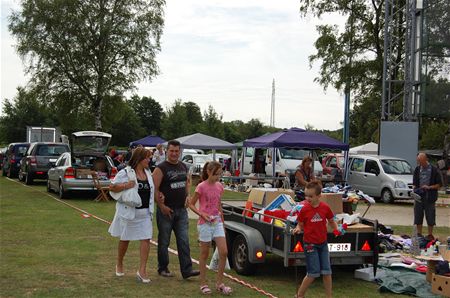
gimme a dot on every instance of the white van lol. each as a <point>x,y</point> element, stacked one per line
<point>259,160</point>
<point>388,178</point>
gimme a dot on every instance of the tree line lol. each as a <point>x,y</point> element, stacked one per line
<point>126,119</point>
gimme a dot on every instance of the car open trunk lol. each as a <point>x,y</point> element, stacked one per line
<point>88,151</point>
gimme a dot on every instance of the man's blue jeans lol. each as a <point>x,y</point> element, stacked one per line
<point>179,223</point>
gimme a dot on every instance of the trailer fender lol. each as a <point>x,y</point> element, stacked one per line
<point>255,240</point>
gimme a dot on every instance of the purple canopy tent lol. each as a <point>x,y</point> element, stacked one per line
<point>295,138</point>
<point>148,141</point>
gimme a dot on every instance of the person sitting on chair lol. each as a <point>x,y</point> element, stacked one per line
<point>304,173</point>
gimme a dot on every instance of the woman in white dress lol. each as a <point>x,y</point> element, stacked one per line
<point>134,223</point>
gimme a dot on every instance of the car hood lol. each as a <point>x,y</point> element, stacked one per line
<point>408,179</point>
<point>93,143</point>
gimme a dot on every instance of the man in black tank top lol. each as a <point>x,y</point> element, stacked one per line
<point>170,178</point>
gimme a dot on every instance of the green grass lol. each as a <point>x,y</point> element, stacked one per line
<point>48,249</point>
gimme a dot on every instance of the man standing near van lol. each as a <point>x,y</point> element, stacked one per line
<point>426,183</point>
<point>170,177</point>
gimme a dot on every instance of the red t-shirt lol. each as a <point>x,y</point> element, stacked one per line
<point>315,222</point>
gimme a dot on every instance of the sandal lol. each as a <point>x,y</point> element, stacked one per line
<point>205,290</point>
<point>224,289</point>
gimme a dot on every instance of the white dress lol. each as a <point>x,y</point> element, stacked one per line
<point>141,226</point>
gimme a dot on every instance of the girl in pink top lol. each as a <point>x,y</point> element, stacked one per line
<point>210,223</point>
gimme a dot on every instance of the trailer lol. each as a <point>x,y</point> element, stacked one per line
<point>250,240</point>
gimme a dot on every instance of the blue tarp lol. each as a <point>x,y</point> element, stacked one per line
<point>148,141</point>
<point>296,138</point>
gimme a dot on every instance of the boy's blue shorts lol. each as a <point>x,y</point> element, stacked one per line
<point>317,259</point>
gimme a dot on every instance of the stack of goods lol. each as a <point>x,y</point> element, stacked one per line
<point>349,194</point>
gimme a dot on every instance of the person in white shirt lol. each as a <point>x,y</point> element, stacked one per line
<point>159,155</point>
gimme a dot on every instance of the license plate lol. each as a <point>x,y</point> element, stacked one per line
<point>52,160</point>
<point>334,247</point>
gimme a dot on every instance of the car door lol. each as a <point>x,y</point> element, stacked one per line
<point>372,181</point>
<point>356,173</point>
<point>248,160</point>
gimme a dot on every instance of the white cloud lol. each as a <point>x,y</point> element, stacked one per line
<point>226,53</point>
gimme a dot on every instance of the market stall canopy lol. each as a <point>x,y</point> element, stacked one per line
<point>148,141</point>
<point>201,141</point>
<point>369,148</point>
<point>296,138</point>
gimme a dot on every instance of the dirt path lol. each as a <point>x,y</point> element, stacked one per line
<point>400,213</point>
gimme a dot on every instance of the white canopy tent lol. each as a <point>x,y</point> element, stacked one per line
<point>369,148</point>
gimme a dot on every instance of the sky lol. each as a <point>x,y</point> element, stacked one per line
<point>225,53</point>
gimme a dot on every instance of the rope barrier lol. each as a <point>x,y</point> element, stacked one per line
<point>173,251</point>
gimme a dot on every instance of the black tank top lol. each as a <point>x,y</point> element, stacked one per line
<point>144,190</point>
<point>173,184</point>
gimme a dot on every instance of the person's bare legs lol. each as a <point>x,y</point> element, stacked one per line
<point>121,251</point>
<point>419,229</point>
<point>307,281</point>
<point>221,244</point>
<point>430,230</point>
<point>327,284</point>
<point>204,253</point>
<point>144,249</point>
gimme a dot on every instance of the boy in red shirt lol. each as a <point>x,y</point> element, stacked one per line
<point>312,219</point>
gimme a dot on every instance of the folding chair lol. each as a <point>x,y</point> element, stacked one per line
<point>102,190</point>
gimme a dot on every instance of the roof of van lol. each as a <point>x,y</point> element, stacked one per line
<point>375,156</point>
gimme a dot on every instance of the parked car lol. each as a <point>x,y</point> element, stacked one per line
<point>195,162</point>
<point>388,178</point>
<point>2,156</point>
<point>333,163</point>
<point>74,170</point>
<point>13,155</point>
<point>39,159</point>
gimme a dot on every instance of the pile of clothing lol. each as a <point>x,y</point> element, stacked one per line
<point>349,194</point>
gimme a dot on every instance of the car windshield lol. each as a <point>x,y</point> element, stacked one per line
<point>396,166</point>
<point>89,144</point>
<point>201,159</point>
<point>21,150</point>
<point>51,150</point>
<point>292,153</point>
<point>341,162</point>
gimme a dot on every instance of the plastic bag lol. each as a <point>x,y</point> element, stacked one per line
<point>214,264</point>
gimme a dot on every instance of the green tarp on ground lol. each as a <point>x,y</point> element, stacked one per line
<point>405,281</point>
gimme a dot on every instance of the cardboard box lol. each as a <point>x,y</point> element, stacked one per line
<point>84,173</point>
<point>264,196</point>
<point>333,200</point>
<point>440,285</point>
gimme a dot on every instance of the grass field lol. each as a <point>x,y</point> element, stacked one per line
<point>50,250</point>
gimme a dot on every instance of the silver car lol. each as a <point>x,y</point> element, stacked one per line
<point>388,178</point>
<point>73,171</point>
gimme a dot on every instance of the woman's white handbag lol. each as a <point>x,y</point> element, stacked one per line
<point>130,196</point>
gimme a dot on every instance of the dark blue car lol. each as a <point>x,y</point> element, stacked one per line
<point>13,156</point>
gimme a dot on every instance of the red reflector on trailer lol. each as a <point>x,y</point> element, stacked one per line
<point>366,246</point>
<point>39,173</point>
<point>298,247</point>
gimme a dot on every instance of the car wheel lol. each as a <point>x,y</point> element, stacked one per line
<point>61,192</point>
<point>386,196</point>
<point>241,262</point>
<point>49,188</point>
<point>20,176</point>
<point>28,179</point>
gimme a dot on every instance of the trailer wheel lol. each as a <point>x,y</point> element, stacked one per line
<point>240,257</point>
